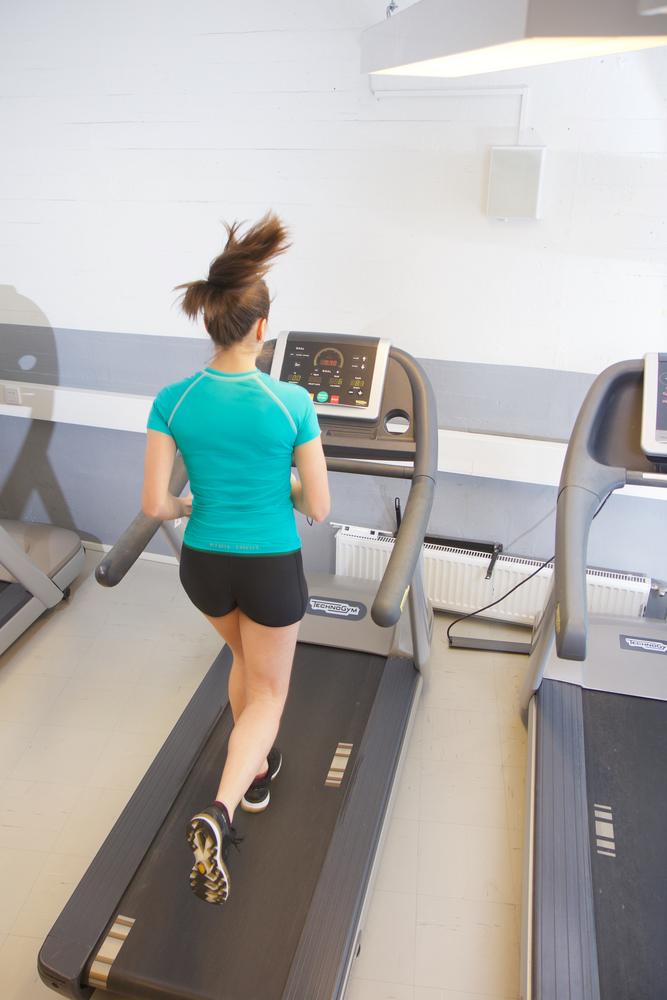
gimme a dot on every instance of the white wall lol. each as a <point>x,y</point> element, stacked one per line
<point>129,130</point>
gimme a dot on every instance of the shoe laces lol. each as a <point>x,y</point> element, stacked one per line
<point>232,838</point>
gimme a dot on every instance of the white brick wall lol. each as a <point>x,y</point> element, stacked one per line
<point>130,129</point>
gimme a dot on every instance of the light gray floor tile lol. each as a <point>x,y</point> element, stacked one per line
<point>515,794</point>
<point>513,743</point>
<point>454,736</point>
<point>398,868</point>
<point>61,754</point>
<point>126,759</point>
<point>366,989</point>
<point>426,993</point>
<point>18,970</point>
<point>388,939</point>
<point>89,700</point>
<point>14,741</point>
<point>27,698</point>
<point>406,804</point>
<point>19,871</point>
<point>25,804</point>
<point>468,793</point>
<point>101,808</point>
<point>467,945</point>
<point>53,651</point>
<point>58,879</point>
<point>462,683</point>
<point>465,862</point>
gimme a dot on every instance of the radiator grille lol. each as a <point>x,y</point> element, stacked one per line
<point>455,579</point>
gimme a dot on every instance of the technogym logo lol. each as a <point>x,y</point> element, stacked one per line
<point>336,609</point>
<point>639,645</point>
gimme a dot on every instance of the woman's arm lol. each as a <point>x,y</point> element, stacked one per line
<point>156,500</point>
<point>310,495</point>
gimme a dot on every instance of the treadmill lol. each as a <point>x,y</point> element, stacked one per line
<point>38,562</point>
<point>595,863</point>
<point>302,879</point>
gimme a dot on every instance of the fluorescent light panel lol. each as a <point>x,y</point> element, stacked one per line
<point>453,38</point>
<point>528,52</point>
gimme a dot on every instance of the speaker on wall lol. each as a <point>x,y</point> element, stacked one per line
<point>515,182</point>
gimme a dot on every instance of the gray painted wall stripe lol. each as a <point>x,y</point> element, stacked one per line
<point>497,399</point>
<point>67,474</point>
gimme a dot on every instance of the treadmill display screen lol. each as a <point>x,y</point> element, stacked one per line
<point>340,374</point>
<point>661,422</point>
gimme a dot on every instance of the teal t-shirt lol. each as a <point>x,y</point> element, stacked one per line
<point>237,433</point>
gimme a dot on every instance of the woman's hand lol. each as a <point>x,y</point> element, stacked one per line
<point>172,508</point>
<point>186,505</point>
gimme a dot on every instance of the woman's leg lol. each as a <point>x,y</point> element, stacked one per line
<point>268,654</point>
<point>228,628</point>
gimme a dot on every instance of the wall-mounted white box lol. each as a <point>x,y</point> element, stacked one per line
<point>515,182</point>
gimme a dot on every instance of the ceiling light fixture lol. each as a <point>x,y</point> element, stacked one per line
<point>452,38</point>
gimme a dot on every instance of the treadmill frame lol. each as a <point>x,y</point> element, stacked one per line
<point>331,934</point>
<point>559,959</point>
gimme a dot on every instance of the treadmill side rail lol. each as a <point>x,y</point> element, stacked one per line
<point>325,950</point>
<point>65,954</point>
<point>564,949</point>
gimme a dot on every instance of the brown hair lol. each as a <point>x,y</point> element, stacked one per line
<point>235,295</point>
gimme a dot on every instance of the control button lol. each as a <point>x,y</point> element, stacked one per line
<point>322,397</point>
<point>335,399</point>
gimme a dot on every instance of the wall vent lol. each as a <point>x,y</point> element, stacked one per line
<point>455,579</point>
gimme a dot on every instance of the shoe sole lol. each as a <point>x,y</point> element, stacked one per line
<point>209,878</point>
<point>258,807</point>
<point>255,807</point>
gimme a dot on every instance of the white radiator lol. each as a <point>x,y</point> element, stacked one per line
<point>455,579</point>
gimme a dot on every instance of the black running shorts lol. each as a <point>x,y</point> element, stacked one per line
<point>270,589</point>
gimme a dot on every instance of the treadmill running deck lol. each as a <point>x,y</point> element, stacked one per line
<point>626,773</point>
<point>181,946</point>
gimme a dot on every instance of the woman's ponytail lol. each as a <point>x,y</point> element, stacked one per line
<point>235,295</point>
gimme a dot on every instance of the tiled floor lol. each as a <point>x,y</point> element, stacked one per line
<point>116,667</point>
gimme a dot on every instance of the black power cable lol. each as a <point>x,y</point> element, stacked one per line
<point>471,614</point>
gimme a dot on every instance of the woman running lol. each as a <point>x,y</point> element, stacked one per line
<point>239,432</point>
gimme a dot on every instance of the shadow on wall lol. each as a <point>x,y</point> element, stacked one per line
<point>32,350</point>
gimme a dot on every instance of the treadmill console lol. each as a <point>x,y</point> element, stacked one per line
<point>654,414</point>
<point>344,375</point>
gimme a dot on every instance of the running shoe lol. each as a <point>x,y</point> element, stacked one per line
<point>258,796</point>
<point>210,835</point>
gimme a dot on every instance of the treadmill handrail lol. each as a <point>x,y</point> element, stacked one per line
<point>398,574</point>
<point>585,484</point>
<point>123,555</point>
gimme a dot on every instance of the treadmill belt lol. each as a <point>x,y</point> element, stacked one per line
<point>12,598</point>
<point>180,946</point>
<point>626,764</point>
